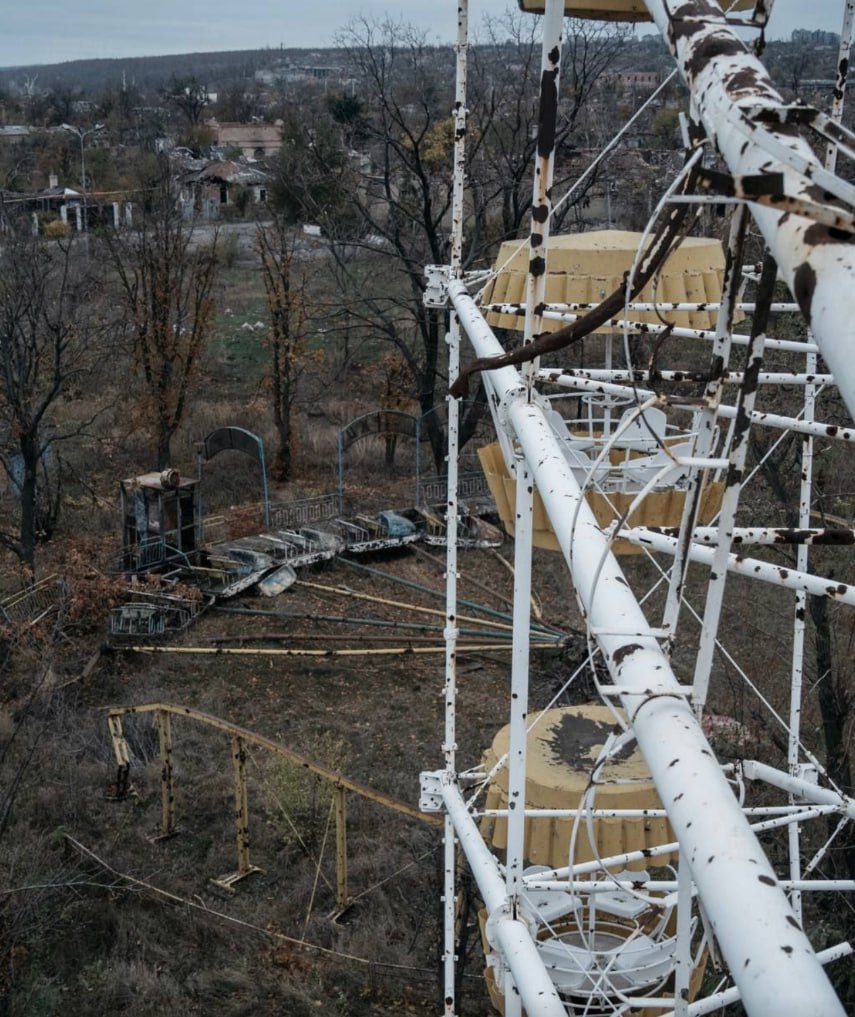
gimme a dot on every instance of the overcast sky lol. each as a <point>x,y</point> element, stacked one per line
<point>50,31</point>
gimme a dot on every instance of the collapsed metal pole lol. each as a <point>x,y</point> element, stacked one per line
<point>769,956</point>
<point>243,651</point>
<point>241,805</point>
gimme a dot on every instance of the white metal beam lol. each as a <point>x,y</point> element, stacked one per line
<point>753,568</point>
<point>754,770</point>
<point>509,934</point>
<point>769,955</point>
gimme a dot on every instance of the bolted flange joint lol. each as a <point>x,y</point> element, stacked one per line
<point>436,291</point>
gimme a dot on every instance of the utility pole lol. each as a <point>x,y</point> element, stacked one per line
<point>83,135</point>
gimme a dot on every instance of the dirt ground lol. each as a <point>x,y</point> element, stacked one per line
<point>123,922</point>
<point>376,718</point>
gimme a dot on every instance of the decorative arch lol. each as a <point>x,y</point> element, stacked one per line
<point>237,439</point>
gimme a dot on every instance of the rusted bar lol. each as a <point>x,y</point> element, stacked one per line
<point>123,759</point>
<point>244,866</point>
<point>114,720</point>
<point>341,896</point>
<point>244,651</point>
<point>167,790</point>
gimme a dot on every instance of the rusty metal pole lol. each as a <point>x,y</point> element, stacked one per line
<point>167,790</point>
<point>122,754</point>
<point>241,806</point>
<point>340,797</point>
<point>745,117</point>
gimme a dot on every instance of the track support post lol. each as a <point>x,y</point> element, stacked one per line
<point>245,867</point>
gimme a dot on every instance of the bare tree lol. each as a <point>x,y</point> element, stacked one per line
<point>401,197</point>
<point>241,100</point>
<point>166,280</point>
<point>505,114</point>
<point>285,290</point>
<point>63,97</point>
<point>386,208</point>
<point>188,97</point>
<point>48,340</point>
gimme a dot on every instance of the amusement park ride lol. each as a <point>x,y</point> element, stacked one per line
<point>616,857</point>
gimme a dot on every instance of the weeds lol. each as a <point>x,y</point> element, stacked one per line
<point>298,802</point>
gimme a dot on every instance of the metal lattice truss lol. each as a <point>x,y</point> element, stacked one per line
<point>723,894</point>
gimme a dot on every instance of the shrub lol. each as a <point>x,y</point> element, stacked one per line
<point>57,229</point>
<point>297,801</point>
